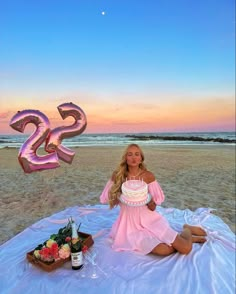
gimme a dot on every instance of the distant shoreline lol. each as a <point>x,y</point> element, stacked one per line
<point>123,139</point>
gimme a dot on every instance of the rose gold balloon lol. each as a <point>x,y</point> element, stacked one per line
<point>58,134</point>
<point>27,156</point>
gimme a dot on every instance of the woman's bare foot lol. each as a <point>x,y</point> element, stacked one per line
<point>198,231</point>
<point>198,239</point>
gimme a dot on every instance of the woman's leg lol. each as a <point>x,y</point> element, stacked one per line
<point>163,250</point>
<point>183,242</point>
<point>198,239</point>
<point>198,234</point>
<point>198,231</point>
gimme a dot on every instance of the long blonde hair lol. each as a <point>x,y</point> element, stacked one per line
<point>120,174</point>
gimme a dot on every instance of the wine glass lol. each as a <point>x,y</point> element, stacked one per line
<point>94,274</point>
<point>91,257</point>
<point>94,269</point>
<point>84,269</point>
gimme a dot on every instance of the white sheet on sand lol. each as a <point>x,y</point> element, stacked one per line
<point>209,268</point>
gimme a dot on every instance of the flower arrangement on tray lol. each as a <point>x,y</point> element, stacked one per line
<point>55,251</point>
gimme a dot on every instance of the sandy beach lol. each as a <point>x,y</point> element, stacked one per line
<point>190,176</point>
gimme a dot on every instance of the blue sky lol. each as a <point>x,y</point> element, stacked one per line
<point>137,50</point>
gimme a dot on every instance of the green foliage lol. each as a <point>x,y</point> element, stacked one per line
<point>39,247</point>
<point>59,237</point>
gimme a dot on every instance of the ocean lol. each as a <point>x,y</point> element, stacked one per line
<point>206,138</point>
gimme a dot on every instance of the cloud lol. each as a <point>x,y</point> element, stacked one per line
<point>4,114</point>
<point>149,112</point>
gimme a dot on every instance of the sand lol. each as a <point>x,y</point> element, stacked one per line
<point>190,176</point>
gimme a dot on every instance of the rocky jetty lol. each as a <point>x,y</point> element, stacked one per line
<point>180,138</point>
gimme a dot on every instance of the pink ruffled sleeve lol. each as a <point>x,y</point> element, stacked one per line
<point>157,194</point>
<point>105,193</point>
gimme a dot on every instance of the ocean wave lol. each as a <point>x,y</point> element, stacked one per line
<point>150,139</point>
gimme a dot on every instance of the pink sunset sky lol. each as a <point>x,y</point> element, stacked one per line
<point>133,114</point>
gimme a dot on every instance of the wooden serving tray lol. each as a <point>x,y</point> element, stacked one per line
<point>48,267</point>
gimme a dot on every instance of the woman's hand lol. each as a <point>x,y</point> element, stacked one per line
<point>151,205</point>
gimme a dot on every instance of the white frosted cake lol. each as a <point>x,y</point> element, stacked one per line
<point>134,193</point>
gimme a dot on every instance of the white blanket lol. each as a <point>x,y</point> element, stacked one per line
<point>209,268</point>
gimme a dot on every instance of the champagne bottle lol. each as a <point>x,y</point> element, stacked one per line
<point>76,249</point>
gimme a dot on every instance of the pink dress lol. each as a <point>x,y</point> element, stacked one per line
<point>138,228</point>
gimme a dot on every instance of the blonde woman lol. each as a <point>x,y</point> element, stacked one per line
<point>142,228</point>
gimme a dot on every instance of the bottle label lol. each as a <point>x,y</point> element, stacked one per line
<point>77,258</point>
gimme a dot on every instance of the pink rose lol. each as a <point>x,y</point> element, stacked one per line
<point>64,251</point>
<point>85,249</point>
<point>45,254</point>
<point>68,239</point>
<point>54,250</point>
